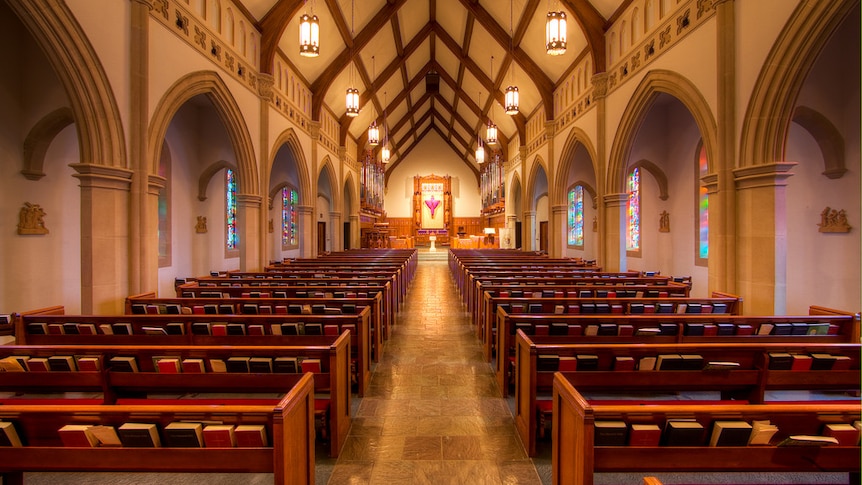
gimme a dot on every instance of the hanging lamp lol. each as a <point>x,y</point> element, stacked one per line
<point>352,98</point>
<point>555,32</point>
<point>309,34</point>
<point>373,131</point>
<point>512,97</point>
<point>491,131</point>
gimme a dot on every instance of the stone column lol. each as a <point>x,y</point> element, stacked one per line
<point>307,231</point>
<point>558,224</point>
<point>355,233</point>
<point>335,232</point>
<point>722,202</point>
<point>248,209</point>
<point>762,237</point>
<point>105,194</point>
<point>604,258</point>
<point>144,198</point>
<point>530,231</point>
<point>265,83</point>
<point>614,232</point>
<point>555,229</point>
<point>511,221</point>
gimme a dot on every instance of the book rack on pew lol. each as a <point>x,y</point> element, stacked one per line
<point>195,330</point>
<point>576,456</point>
<point>741,370</point>
<point>289,426</point>
<point>611,307</point>
<point>671,328</point>
<point>270,303</point>
<point>127,374</point>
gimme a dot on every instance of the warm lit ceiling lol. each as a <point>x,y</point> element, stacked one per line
<point>393,44</point>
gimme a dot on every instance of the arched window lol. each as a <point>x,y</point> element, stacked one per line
<point>230,210</point>
<point>165,208</point>
<point>633,212</point>
<point>289,199</point>
<point>702,209</point>
<point>576,216</point>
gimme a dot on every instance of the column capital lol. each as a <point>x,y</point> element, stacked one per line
<point>616,200</point>
<point>249,200</point>
<point>101,176</point>
<point>155,183</point>
<point>600,85</point>
<point>763,175</point>
<point>265,82</point>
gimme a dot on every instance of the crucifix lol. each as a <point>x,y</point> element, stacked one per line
<point>432,204</point>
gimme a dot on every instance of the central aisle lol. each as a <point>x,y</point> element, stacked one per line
<point>433,413</point>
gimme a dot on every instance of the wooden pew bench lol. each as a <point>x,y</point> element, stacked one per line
<point>332,380</point>
<point>662,329</point>
<point>576,457</point>
<point>537,362</point>
<point>289,424</point>
<point>268,301</point>
<point>204,330</point>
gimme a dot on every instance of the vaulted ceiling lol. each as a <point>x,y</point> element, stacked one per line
<point>386,49</point>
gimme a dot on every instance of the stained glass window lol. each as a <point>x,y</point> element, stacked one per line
<point>702,208</point>
<point>576,216</point>
<point>289,199</point>
<point>230,210</point>
<point>164,209</point>
<point>633,213</point>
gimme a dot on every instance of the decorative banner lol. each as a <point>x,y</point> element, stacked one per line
<point>432,206</point>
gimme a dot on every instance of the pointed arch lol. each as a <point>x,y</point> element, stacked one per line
<point>828,138</point>
<point>538,163</point>
<point>350,189</point>
<point>334,182</point>
<point>39,139</point>
<point>291,140</point>
<point>97,117</point>
<point>207,175</point>
<point>657,174</point>
<point>577,137</point>
<point>653,84</point>
<point>770,110</point>
<point>213,87</point>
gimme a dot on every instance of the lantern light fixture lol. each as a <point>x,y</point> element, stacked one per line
<point>555,32</point>
<point>309,34</point>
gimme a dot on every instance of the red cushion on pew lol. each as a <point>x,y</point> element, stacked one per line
<point>321,404</point>
<point>545,405</point>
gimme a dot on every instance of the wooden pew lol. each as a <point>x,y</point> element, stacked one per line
<point>748,382</point>
<point>290,426</point>
<point>270,303</point>
<point>674,328</point>
<point>115,386</point>
<point>575,458</point>
<point>719,303</point>
<point>145,330</point>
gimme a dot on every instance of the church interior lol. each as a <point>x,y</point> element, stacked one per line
<point>430,156</point>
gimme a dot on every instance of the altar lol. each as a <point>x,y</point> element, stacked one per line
<point>432,209</point>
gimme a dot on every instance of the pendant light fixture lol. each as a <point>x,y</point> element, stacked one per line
<point>352,99</point>
<point>491,131</point>
<point>555,32</point>
<point>512,97</point>
<point>480,150</point>
<point>384,150</point>
<point>373,131</point>
<point>309,34</point>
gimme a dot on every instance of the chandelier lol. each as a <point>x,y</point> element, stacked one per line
<point>309,34</point>
<point>555,32</point>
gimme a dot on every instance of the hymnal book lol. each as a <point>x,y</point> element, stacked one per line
<point>668,328</point>
<point>780,361</point>
<point>331,311</point>
<point>683,433</point>
<point>56,329</point>
<point>78,436</point>
<point>721,365</point>
<point>719,308</point>
<point>647,331</point>
<point>330,330</point>
<point>260,365</point>
<point>275,328</point>
<point>210,309</point>
<point>710,330</point>
<point>845,433</point>
<point>70,328</point>
<point>218,365</point>
<point>193,366</point>
<point>168,365</point>
<point>139,435</point>
<point>541,329</point>
<point>106,328</point>
<point>575,330</point>
<point>603,308</point>
<point>348,309</point>
<point>14,363</point>
<point>122,328</point>
<point>815,328</point>
<point>139,309</point>
<point>154,330</point>
<point>591,330</point>
<point>781,329</point>
<point>62,363</point>
<point>647,363</point>
<point>88,364</point>
<point>310,365</point>
<point>610,433</point>
<point>669,362</point>
<point>636,308</point>
<point>172,309</point>
<point>664,308</point>
<point>761,433</point>
<point>249,309</point>
<point>808,440</point>
<point>527,328</point>
<point>290,329</point>
<point>608,329</point>
<point>122,363</point>
<point>314,328</point>
<point>691,362</point>
<point>588,362</point>
<point>318,308</point>
<point>294,309</point>
<point>625,330</point>
<point>588,308</point>
<point>574,309</point>
<point>558,329</point>
<point>567,363</point>
<point>798,328</point>
<point>219,329</point>
<point>694,329</point>
<point>624,362</point>
<point>730,433</point>
<point>250,436</point>
<point>744,329</point>
<point>37,328</point>
<point>87,329</point>
<point>181,434</point>
<point>219,436</point>
<point>255,329</point>
<point>644,435</point>
<point>280,309</point>
<point>801,362</point>
<point>238,364</point>
<point>235,329</point>
<point>106,435</point>
<point>842,362</point>
<point>38,364</point>
<point>559,309</point>
<point>726,328</point>
<point>693,308</point>
<point>265,309</point>
<point>9,435</point>
<point>226,309</point>
<point>285,365</point>
<point>547,363</point>
<point>822,361</point>
<point>175,328</point>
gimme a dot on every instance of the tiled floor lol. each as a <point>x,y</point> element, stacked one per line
<point>433,413</point>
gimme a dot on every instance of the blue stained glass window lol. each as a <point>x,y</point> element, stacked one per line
<point>289,199</point>
<point>576,216</point>
<point>633,214</point>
